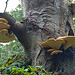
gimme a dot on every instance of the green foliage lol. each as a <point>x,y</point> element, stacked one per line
<point>16,65</point>
<point>18,61</point>
<point>13,59</point>
<point>25,71</point>
<point>8,50</point>
<point>73,1</point>
<point>17,13</point>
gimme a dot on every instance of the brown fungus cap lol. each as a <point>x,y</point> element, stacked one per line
<point>52,43</point>
<point>69,41</point>
<point>73,8</point>
<point>3,20</point>
<point>50,50</point>
<point>4,36</point>
<point>4,25</point>
<point>56,52</point>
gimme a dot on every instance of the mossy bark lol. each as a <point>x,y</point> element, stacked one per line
<point>44,19</point>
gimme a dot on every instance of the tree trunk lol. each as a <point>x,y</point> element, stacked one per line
<point>48,19</point>
<point>45,19</point>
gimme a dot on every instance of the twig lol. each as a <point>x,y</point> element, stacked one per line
<point>6,5</point>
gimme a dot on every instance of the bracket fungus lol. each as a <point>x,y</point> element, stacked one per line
<point>4,25</point>
<point>56,52</point>
<point>4,36</point>
<point>73,8</point>
<point>3,20</point>
<point>50,50</point>
<point>69,41</point>
<point>53,43</point>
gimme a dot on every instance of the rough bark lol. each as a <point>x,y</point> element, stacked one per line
<point>45,19</point>
<point>49,19</point>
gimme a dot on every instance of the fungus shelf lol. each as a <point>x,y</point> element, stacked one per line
<point>4,35</point>
<point>73,7</point>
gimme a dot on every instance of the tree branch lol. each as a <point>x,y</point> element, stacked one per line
<point>6,5</point>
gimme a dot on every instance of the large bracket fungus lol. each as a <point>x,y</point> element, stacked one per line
<point>54,45</point>
<point>69,41</point>
<point>4,35</point>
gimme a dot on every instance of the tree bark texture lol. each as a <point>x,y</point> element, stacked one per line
<point>49,19</point>
<point>44,19</point>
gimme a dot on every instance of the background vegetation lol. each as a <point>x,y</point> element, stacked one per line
<point>17,65</point>
<point>12,60</point>
<point>14,47</point>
